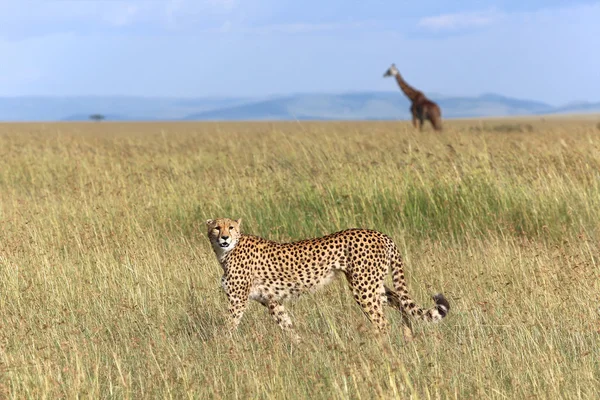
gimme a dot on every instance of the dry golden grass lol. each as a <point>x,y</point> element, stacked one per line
<point>108,286</point>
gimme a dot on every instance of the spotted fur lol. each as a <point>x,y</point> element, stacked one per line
<point>270,272</point>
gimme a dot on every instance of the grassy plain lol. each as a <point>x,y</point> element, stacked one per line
<point>109,288</point>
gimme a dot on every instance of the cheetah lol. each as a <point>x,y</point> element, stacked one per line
<point>271,272</point>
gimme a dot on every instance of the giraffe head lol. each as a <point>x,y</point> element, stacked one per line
<point>392,71</point>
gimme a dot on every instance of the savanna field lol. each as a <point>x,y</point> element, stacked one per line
<point>109,287</point>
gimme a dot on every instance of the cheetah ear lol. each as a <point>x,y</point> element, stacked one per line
<point>239,222</point>
<point>210,222</point>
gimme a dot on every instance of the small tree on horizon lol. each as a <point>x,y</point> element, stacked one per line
<point>97,117</point>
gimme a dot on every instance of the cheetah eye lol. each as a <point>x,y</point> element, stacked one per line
<point>231,227</point>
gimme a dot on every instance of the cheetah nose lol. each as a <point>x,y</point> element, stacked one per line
<point>224,237</point>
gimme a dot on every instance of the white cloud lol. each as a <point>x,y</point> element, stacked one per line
<point>226,27</point>
<point>460,20</point>
<point>225,4</point>
<point>298,28</point>
<point>124,15</point>
<point>22,19</point>
<point>202,15</point>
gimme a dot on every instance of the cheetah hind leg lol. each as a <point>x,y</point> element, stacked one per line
<point>393,300</point>
<point>369,299</point>
<point>370,302</point>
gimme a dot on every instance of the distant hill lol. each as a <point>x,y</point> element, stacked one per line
<point>350,106</point>
<point>346,106</point>
<point>370,105</point>
<point>578,108</point>
<point>40,108</point>
<point>491,105</point>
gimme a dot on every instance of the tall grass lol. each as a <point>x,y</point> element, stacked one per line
<point>108,287</point>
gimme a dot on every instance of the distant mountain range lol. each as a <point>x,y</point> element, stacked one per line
<point>346,106</point>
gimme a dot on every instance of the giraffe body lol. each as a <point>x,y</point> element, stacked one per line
<point>422,109</point>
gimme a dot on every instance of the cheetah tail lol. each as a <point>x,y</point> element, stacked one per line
<point>404,303</point>
<point>401,299</point>
<point>441,305</point>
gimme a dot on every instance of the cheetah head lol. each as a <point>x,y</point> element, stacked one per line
<point>392,71</point>
<point>223,233</point>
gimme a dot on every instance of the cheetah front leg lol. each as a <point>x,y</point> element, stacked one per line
<point>280,315</point>
<point>237,307</point>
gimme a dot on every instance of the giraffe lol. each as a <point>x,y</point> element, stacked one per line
<point>421,107</point>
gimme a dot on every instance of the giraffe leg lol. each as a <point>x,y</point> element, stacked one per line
<point>433,124</point>
<point>415,120</point>
<point>418,116</point>
<point>436,119</point>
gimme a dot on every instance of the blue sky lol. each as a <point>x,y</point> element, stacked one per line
<point>540,49</point>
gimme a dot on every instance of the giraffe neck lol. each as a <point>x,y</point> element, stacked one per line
<point>408,90</point>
